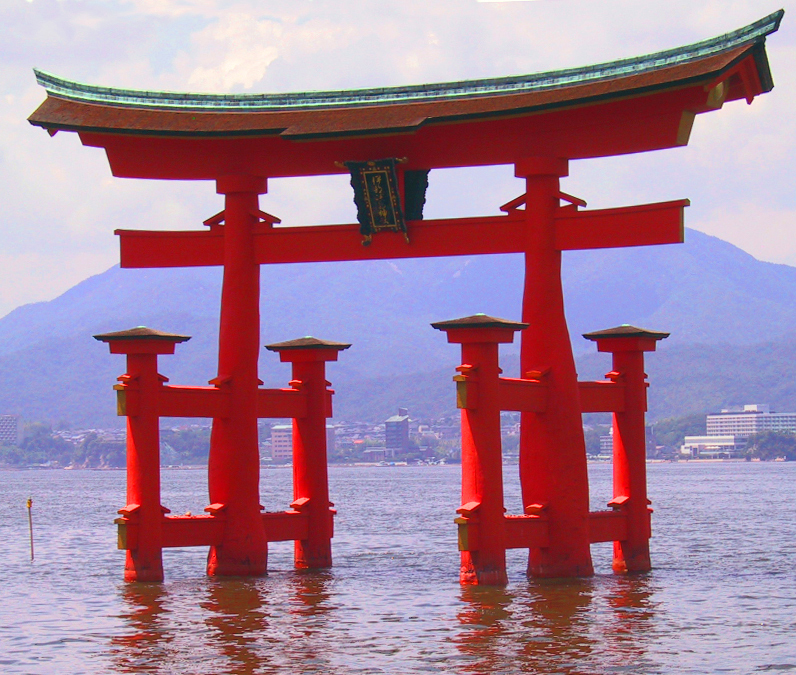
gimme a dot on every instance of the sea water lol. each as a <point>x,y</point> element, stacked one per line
<point>721,597</point>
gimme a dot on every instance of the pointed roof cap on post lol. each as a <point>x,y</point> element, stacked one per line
<point>141,333</point>
<point>626,338</point>
<point>479,321</point>
<point>480,328</point>
<point>625,331</point>
<point>141,340</point>
<point>307,349</point>
<point>307,342</point>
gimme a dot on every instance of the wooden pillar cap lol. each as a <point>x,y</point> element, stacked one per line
<point>480,328</point>
<point>141,340</point>
<point>479,321</point>
<point>307,348</point>
<point>307,342</point>
<point>625,338</point>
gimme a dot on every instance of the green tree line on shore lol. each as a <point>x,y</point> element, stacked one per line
<point>42,447</point>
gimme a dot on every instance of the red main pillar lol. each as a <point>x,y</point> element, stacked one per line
<point>138,400</point>
<point>310,475</point>
<point>627,344</point>
<point>234,462</point>
<point>482,458</point>
<point>553,469</point>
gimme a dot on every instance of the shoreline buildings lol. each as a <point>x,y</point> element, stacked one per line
<point>727,431</point>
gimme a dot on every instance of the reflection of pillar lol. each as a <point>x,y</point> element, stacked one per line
<point>627,626</point>
<point>553,468</point>
<point>558,617</point>
<point>138,400</point>
<point>145,643</point>
<point>234,461</point>
<point>237,616</point>
<point>486,620</point>
<point>627,344</point>
<point>311,619</point>
<point>310,476</point>
<point>482,459</point>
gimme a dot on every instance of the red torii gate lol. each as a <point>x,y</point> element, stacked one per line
<point>537,123</point>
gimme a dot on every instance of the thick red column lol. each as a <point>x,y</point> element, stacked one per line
<point>138,400</point>
<point>627,344</point>
<point>482,457</point>
<point>234,462</point>
<point>553,468</point>
<point>310,475</point>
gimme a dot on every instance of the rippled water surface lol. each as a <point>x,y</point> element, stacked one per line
<point>721,599</point>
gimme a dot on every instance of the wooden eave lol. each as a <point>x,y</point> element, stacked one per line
<point>744,68</point>
<point>738,59</point>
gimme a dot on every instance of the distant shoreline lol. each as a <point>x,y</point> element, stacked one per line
<point>273,467</point>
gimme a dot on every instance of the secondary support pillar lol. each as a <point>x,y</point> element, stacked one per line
<point>482,457</point>
<point>553,471</point>
<point>234,461</point>
<point>137,398</point>
<point>627,344</point>
<point>310,475</point>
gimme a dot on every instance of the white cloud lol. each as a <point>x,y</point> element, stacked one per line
<point>237,50</point>
<point>61,204</point>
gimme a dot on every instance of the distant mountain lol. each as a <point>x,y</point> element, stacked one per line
<point>684,379</point>
<point>705,291</point>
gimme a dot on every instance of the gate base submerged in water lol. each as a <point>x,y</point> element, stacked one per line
<point>537,123</point>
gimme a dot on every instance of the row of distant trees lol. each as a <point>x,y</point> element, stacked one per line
<point>771,445</point>
<point>41,446</point>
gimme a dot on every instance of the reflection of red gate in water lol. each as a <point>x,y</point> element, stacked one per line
<point>537,123</point>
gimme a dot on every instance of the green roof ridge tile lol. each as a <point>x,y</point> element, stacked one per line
<point>753,33</point>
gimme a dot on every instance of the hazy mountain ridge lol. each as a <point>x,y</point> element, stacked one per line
<point>705,291</point>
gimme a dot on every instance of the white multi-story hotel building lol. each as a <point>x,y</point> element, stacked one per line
<point>753,419</point>
<point>728,430</point>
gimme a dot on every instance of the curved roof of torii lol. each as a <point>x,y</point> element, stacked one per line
<point>700,77</point>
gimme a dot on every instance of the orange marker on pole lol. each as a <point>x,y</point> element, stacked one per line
<point>30,525</point>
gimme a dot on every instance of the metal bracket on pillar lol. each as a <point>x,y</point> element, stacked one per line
<point>466,387</point>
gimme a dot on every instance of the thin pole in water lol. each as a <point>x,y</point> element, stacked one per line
<point>30,525</point>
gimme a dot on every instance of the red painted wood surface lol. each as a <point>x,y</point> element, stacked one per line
<point>608,526</point>
<point>601,396</point>
<point>527,532</point>
<point>202,530</point>
<point>285,525</point>
<point>234,461</point>
<point>145,561</point>
<point>643,225</point>
<point>310,476</point>
<point>482,458</point>
<point>631,552</point>
<point>552,448</point>
<point>650,121</point>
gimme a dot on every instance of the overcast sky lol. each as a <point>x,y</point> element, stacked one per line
<point>60,204</point>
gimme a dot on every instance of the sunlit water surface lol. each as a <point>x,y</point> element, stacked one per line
<point>721,599</point>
